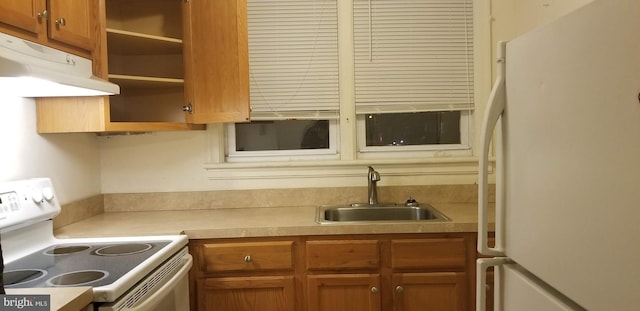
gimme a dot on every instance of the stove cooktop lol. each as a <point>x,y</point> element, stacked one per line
<point>76,264</point>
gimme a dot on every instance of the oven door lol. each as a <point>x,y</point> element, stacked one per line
<point>171,294</point>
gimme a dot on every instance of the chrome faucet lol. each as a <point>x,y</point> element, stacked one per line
<point>373,177</point>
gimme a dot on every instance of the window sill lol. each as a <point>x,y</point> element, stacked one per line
<point>339,173</point>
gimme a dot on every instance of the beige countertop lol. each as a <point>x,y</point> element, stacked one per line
<point>62,299</point>
<point>255,222</point>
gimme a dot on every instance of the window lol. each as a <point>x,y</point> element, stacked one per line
<point>293,64</point>
<point>282,135</point>
<point>408,129</point>
<point>413,72</point>
<point>412,77</point>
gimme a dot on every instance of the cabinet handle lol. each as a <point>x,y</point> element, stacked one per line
<point>247,258</point>
<point>44,14</point>
<point>61,21</point>
<point>374,289</point>
<point>188,108</point>
<point>399,289</point>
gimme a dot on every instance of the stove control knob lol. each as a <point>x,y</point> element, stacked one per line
<point>47,192</point>
<point>36,195</point>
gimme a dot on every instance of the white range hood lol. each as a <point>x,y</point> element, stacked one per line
<point>29,69</point>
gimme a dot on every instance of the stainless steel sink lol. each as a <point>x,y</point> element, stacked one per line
<point>359,213</point>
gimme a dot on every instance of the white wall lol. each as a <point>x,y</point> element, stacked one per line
<point>70,160</point>
<point>155,162</point>
<point>514,17</point>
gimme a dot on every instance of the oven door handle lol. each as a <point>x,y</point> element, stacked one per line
<point>151,302</point>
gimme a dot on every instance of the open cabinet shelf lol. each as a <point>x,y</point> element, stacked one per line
<point>129,42</point>
<point>126,81</point>
<point>145,57</point>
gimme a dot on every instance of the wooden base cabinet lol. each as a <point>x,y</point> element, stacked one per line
<point>244,275</point>
<point>489,286</point>
<point>344,292</point>
<point>434,291</point>
<point>490,290</point>
<point>395,272</point>
<point>262,293</point>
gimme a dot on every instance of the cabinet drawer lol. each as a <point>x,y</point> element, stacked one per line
<point>247,256</point>
<point>429,253</point>
<point>346,254</point>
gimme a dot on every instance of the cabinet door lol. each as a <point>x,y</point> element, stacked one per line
<point>216,61</point>
<point>344,292</point>
<point>72,22</point>
<point>490,290</point>
<point>22,14</point>
<point>266,293</point>
<point>437,291</point>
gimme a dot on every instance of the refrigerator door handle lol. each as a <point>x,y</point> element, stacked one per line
<point>495,108</point>
<point>481,280</point>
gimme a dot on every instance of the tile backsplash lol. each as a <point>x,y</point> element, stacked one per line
<point>121,202</point>
<point>79,210</point>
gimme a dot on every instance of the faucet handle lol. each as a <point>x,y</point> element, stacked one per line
<point>373,174</point>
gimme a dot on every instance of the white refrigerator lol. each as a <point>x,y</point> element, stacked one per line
<point>566,113</point>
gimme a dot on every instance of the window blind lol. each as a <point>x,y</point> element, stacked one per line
<point>293,59</point>
<point>413,55</point>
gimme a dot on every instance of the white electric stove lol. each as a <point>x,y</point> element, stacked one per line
<point>141,272</point>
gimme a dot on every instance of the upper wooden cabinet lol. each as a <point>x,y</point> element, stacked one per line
<point>140,49</point>
<point>67,25</point>
<point>145,57</point>
<point>72,22</point>
<point>22,14</point>
<point>173,61</point>
<point>216,61</point>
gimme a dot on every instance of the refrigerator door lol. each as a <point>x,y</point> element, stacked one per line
<point>518,290</point>
<point>571,141</point>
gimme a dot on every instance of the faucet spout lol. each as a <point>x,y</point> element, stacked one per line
<point>373,177</point>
